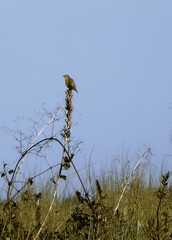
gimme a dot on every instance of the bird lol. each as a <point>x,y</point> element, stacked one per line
<point>70,84</point>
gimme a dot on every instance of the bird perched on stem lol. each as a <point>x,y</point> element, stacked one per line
<point>70,84</point>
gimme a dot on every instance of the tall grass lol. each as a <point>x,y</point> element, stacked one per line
<point>145,211</point>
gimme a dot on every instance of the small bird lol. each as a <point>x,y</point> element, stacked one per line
<point>70,84</point>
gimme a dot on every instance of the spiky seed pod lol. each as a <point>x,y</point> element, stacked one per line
<point>80,198</point>
<point>98,187</point>
<point>67,128</point>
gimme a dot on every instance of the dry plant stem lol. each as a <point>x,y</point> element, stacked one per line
<point>86,194</point>
<point>63,155</point>
<point>49,210</point>
<point>41,131</point>
<point>157,218</point>
<point>54,195</point>
<point>66,136</point>
<point>67,131</point>
<point>162,193</point>
<point>128,180</point>
<point>27,151</point>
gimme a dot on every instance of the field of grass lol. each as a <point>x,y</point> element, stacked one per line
<point>144,212</point>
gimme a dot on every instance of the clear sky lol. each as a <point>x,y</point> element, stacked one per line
<point>119,52</point>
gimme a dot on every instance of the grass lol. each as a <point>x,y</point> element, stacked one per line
<point>145,211</point>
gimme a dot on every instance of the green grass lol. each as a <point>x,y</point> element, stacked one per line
<point>145,211</point>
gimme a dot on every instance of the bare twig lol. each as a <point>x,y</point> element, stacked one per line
<point>21,163</point>
<point>49,210</point>
<point>27,151</point>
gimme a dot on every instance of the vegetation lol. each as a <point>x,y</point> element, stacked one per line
<point>121,204</point>
<point>145,212</point>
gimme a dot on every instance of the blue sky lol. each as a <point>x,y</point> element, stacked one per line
<point>118,52</point>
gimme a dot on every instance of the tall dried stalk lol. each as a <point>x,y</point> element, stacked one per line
<point>66,155</point>
<point>128,180</point>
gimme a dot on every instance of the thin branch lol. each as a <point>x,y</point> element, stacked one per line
<point>41,131</point>
<point>49,210</point>
<point>27,151</point>
<point>128,180</point>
